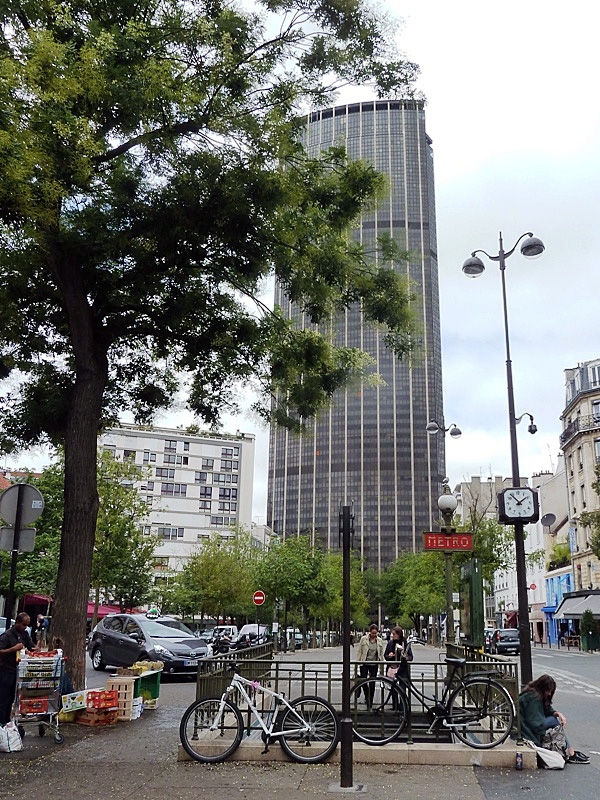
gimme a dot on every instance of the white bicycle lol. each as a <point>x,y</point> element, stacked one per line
<point>211,729</point>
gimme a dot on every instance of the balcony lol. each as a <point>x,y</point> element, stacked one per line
<point>579,425</point>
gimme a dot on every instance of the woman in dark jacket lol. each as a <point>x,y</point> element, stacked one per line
<point>399,650</point>
<point>538,715</point>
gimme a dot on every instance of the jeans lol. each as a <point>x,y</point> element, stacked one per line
<point>8,685</point>
<point>369,670</point>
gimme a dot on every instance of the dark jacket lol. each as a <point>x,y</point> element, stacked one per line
<point>399,650</point>
<point>533,716</point>
<point>11,637</point>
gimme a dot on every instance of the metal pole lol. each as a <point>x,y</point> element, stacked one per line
<point>522,598</point>
<point>346,720</point>
<point>449,609</point>
<point>9,606</point>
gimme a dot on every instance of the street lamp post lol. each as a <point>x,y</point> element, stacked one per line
<point>473,267</point>
<point>447,504</point>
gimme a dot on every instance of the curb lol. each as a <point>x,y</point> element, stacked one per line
<point>453,755</point>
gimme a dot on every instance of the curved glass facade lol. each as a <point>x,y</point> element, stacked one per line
<point>371,448</point>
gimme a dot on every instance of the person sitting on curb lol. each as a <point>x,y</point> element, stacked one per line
<point>537,715</point>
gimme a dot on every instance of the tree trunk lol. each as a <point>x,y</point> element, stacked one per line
<point>79,522</point>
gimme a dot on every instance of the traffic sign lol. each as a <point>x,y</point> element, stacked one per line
<point>438,540</point>
<point>32,503</point>
<point>26,539</point>
<point>533,587</point>
<point>258,598</point>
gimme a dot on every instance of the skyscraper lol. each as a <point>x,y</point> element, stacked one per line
<point>371,446</point>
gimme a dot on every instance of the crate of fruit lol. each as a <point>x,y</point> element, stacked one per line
<point>107,698</point>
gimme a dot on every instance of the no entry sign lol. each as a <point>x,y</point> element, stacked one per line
<point>259,598</point>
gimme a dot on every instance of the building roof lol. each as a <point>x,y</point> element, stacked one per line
<point>573,607</point>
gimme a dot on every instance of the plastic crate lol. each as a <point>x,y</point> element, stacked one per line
<point>109,698</point>
<point>33,705</point>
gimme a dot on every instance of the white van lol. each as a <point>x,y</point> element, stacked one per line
<point>230,631</point>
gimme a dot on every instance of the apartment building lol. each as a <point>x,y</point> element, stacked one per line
<point>194,483</point>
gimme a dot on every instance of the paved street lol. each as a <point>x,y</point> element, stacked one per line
<point>139,758</point>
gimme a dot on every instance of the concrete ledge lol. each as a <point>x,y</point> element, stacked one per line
<point>456,755</point>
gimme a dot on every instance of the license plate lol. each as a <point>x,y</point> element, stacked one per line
<point>191,662</point>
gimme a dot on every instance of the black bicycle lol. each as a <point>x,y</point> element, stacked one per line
<point>477,708</point>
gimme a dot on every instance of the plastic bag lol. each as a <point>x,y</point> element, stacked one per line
<point>547,759</point>
<point>392,670</point>
<point>10,738</point>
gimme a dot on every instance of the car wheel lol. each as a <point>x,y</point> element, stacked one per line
<point>97,662</point>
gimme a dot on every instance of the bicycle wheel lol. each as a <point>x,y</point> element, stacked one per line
<point>207,736</point>
<point>481,713</point>
<point>320,739</point>
<point>379,711</point>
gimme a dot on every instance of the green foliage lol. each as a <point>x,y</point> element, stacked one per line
<point>492,543</point>
<point>588,623</point>
<point>292,570</point>
<point>560,555</point>
<point>414,586</point>
<point>151,182</point>
<point>218,579</point>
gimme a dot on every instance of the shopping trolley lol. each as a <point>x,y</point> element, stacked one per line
<point>38,695</point>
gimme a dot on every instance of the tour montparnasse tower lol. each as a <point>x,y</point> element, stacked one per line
<point>371,447</point>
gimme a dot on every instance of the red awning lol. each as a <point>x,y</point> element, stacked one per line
<point>35,599</point>
<point>102,610</point>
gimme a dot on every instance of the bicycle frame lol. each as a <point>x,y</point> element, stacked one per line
<point>238,683</point>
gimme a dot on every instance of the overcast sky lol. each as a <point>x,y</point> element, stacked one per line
<point>513,111</point>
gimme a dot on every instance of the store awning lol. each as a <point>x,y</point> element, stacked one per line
<point>102,610</point>
<point>549,609</point>
<point>573,607</point>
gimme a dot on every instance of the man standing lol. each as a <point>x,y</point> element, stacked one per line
<point>40,632</point>
<point>11,641</point>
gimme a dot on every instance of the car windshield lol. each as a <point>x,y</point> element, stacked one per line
<point>509,635</point>
<point>175,623</point>
<point>163,631</point>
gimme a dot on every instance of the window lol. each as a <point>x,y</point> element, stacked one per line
<point>173,489</point>
<point>580,458</point>
<point>169,458</point>
<point>208,463</point>
<point>228,494</point>
<point>113,623</point>
<point>162,472</point>
<point>128,455</point>
<point>201,477</point>
<point>146,530</point>
<point>110,449</point>
<point>596,410</point>
<point>171,533</point>
<point>219,521</point>
<point>161,563</point>
<point>227,506</point>
<point>149,499</point>
<point>227,464</point>
<point>204,505</point>
<point>206,491</point>
<point>186,446</point>
<point>170,445</point>
<point>229,452</point>
<point>224,477</point>
<point>131,627</point>
<point>150,486</point>
<point>597,449</point>
<point>149,457</point>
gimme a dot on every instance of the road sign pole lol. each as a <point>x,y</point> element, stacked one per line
<point>10,599</point>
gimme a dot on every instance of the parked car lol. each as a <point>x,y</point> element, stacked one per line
<point>122,639</point>
<point>488,633</point>
<point>505,641</point>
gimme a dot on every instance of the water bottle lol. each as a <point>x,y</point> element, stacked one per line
<point>519,761</point>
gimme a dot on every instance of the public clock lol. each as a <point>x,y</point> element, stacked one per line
<point>518,504</point>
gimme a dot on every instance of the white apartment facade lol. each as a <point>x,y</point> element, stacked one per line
<point>194,482</point>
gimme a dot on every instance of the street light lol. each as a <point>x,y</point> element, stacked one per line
<point>447,504</point>
<point>434,427</point>
<point>473,267</point>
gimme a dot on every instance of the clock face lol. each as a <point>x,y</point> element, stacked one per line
<point>518,504</point>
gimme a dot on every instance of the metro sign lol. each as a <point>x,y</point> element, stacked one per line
<point>448,542</point>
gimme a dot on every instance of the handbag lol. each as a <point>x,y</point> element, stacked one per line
<point>392,670</point>
<point>547,759</point>
<point>555,740</point>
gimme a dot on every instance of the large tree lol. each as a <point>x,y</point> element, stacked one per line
<point>151,181</point>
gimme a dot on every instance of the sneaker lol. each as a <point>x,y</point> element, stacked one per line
<point>578,758</point>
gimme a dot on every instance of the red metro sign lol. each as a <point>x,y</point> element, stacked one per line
<point>448,542</point>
